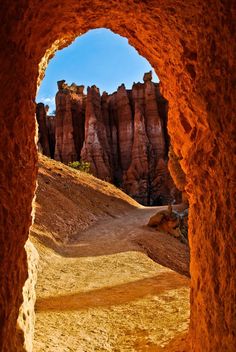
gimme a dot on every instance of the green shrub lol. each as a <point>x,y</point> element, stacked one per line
<point>81,166</point>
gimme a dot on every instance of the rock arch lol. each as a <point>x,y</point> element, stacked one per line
<point>191,46</point>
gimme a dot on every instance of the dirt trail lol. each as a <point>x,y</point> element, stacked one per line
<point>99,290</point>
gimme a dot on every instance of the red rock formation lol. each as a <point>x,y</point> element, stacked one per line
<point>159,187</point>
<point>78,102</point>
<point>43,139</point>
<point>137,178</point>
<point>117,172</point>
<point>51,124</point>
<point>124,137</point>
<point>65,147</point>
<point>192,47</point>
<point>96,149</point>
<point>124,127</point>
<point>153,122</point>
<point>177,173</point>
<point>46,130</point>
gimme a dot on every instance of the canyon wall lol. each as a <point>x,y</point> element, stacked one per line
<point>122,135</point>
<point>46,130</point>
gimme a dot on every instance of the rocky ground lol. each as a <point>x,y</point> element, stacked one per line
<point>106,281</point>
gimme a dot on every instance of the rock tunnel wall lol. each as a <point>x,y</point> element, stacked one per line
<point>122,135</point>
<point>191,45</point>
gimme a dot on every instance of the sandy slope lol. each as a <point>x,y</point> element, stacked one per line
<point>98,290</point>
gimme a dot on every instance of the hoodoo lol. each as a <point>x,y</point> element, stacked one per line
<point>122,135</point>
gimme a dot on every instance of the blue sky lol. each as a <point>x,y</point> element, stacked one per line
<point>98,57</point>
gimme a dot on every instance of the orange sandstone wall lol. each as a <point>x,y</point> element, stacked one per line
<point>191,45</point>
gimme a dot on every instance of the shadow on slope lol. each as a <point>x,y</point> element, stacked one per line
<point>116,295</point>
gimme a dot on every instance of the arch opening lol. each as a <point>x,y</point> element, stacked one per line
<point>113,128</point>
<point>73,242</point>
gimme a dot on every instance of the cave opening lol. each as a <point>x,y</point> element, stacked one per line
<point>113,132</point>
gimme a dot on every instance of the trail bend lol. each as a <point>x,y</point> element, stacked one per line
<point>115,285</point>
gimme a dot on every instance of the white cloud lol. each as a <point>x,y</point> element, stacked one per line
<point>49,100</point>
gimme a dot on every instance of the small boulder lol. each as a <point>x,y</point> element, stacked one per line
<point>171,222</point>
<point>158,218</point>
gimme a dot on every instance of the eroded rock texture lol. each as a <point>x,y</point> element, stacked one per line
<point>26,318</point>
<point>65,146</point>
<point>46,130</point>
<point>123,136</point>
<point>43,137</point>
<point>191,45</point>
